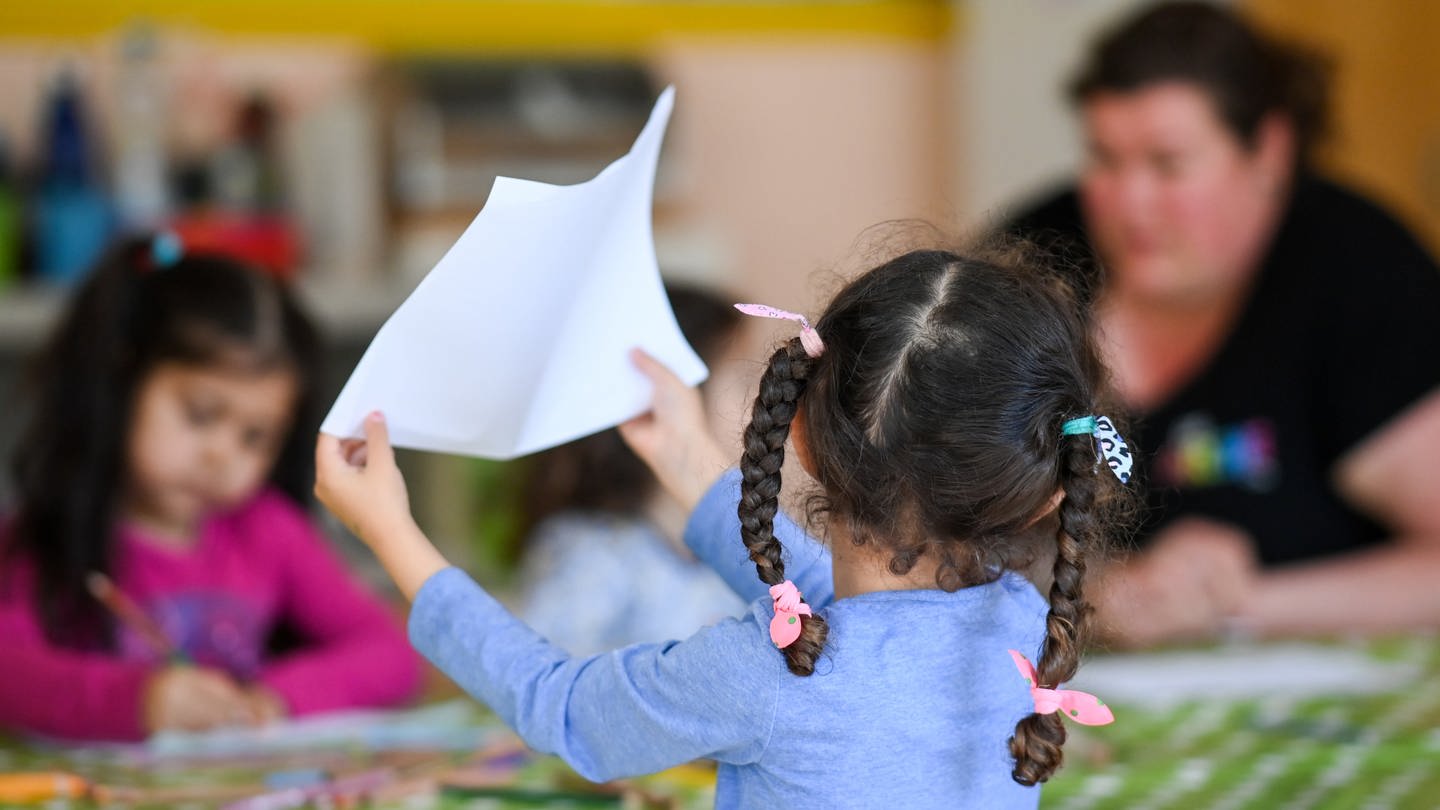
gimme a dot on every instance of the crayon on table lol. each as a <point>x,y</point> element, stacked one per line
<point>29,788</point>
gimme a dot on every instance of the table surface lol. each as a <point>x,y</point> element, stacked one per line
<point>1376,745</point>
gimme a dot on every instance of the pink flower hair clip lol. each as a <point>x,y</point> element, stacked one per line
<point>809,338</point>
<point>1082,707</point>
<point>785,627</point>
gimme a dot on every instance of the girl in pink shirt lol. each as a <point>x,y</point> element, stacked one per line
<point>167,453</point>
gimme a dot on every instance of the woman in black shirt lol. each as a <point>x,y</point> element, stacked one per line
<point>1277,335</point>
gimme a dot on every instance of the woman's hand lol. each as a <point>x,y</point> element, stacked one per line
<point>1195,577</point>
<point>182,697</point>
<point>359,482</point>
<point>674,437</point>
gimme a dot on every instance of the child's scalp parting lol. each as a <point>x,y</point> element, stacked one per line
<point>936,426</point>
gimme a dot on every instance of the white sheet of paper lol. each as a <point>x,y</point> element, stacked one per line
<point>448,726</point>
<point>519,339</point>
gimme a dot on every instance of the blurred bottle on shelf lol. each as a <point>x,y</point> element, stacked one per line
<point>237,203</point>
<point>142,199</point>
<point>72,217</point>
<point>247,175</point>
<point>9,218</point>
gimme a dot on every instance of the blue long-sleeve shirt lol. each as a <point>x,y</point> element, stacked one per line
<point>911,703</point>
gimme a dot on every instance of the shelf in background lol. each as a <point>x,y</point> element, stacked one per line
<point>347,311</point>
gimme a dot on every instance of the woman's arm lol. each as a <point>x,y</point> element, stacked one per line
<point>1199,578</point>
<point>1394,477</point>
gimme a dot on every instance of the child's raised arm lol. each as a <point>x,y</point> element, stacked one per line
<point>713,533</point>
<point>360,483</point>
<point>674,439</point>
<point>631,711</point>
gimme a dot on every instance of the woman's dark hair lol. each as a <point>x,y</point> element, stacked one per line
<point>933,421</point>
<point>599,472</point>
<point>1247,74</point>
<point>129,316</point>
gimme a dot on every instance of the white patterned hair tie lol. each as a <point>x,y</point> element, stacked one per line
<point>1110,448</point>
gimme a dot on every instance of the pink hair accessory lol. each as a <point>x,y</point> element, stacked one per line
<point>1082,707</point>
<point>809,338</point>
<point>785,627</point>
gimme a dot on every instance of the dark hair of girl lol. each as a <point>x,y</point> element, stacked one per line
<point>933,421</point>
<point>129,316</point>
<point>599,472</point>
<point>1247,74</point>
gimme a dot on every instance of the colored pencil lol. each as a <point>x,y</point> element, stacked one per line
<point>130,615</point>
<point>352,786</point>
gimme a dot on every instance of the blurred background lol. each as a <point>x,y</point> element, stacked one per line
<point>347,144</point>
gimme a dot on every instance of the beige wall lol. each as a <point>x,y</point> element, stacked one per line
<point>789,149</point>
<point>779,155</point>
<point>1010,61</point>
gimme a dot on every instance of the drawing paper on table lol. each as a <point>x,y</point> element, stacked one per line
<point>1295,669</point>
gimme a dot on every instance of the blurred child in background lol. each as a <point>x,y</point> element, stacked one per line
<point>160,547</point>
<point>605,535</point>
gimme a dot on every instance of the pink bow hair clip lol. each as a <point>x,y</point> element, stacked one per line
<point>785,627</point>
<point>1082,707</point>
<point>809,338</point>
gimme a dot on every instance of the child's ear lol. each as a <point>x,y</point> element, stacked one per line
<point>798,441</point>
<point>1048,508</point>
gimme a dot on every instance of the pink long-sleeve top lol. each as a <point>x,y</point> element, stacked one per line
<point>249,572</point>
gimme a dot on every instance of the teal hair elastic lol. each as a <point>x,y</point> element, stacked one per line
<point>1080,426</point>
<point>165,250</point>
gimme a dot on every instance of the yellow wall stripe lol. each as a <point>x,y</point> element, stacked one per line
<point>503,26</point>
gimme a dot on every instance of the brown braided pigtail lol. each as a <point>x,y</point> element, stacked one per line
<point>1038,737</point>
<point>780,388</point>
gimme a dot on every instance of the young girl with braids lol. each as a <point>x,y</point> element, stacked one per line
<point>950,409</point>
<point>165,467</point>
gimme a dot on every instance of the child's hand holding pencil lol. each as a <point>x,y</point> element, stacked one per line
<point>181,696</point>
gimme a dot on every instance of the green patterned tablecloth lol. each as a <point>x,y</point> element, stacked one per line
<point>1364,746</point>
<point>1371,749</point>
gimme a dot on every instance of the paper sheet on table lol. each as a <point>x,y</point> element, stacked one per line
<point>450,726</point>
<point>519,339</point>
<point>1240,672</point>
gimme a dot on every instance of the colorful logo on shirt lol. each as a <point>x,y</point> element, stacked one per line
<point>213,629</point>
<point>1198,454</point>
